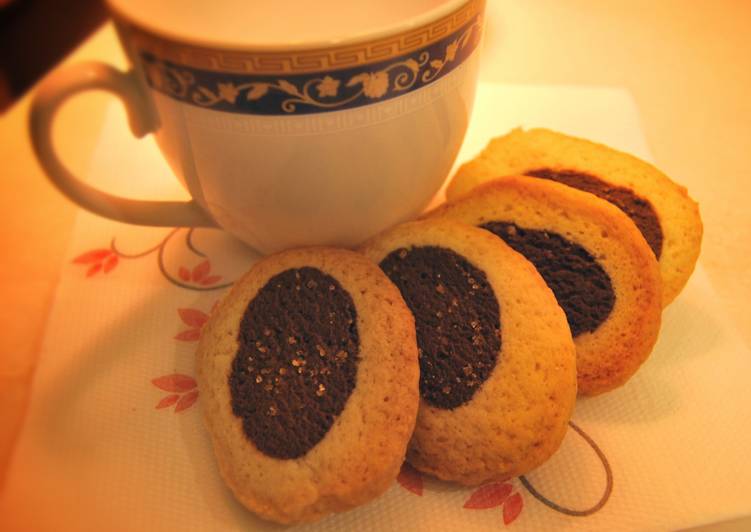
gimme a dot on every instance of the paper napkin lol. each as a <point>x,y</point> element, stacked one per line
<point>113,438</point>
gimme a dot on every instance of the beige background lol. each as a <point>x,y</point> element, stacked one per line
<point>687,63</point>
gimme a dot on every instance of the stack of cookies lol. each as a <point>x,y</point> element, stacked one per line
<point>459,340</point>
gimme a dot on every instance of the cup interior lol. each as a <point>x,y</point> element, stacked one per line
<point>278,24</point>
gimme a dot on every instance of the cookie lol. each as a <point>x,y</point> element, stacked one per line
<point>497,363</point>
<point>308,377</point>
<point>592,256</point>
<point>662,210</point>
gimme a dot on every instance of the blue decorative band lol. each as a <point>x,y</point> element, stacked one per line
<point>318,92</point>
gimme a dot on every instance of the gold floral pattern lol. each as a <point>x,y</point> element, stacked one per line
<point>228,92</point>
<point>328,87</point>
<point>333,90</point>
<point>374,84</point>
<point>449,56</point>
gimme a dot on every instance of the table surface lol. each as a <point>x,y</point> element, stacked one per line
<point>686,64</point>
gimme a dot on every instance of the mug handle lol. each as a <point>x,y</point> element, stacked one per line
<point>93,75</point>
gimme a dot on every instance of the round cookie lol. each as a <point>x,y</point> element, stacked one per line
<point>662,210</point>
<point>497,363</point>
<point>308,375</point>
<point>594,259</point>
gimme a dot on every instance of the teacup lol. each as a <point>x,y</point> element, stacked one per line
<point>289,123</point>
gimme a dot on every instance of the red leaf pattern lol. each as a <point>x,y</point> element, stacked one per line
<point>174,383</point>
<point>212,279</point>
<point>201,271</point>
<point>93,270</point>
<point>195,319</point>
<point>488,496</point>
<point>512,508</point>
<point>191,335</point>
<point>168,401</point>
<point>192,317</point>
<point>105,260</point>
<point>410,479</point>
<point>110,263</point>
<point>186,401</point>
<point>92,256</point>
<point>98,260</point>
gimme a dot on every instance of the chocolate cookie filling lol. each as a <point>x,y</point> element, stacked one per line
<point>580,285</point>
<point>297,361</point>
<point>638,209</point>
<point>457,319</point>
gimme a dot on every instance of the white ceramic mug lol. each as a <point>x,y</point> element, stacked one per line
<point>287,127</point>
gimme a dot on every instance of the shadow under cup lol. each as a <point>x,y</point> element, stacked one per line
<point>312,145</point>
